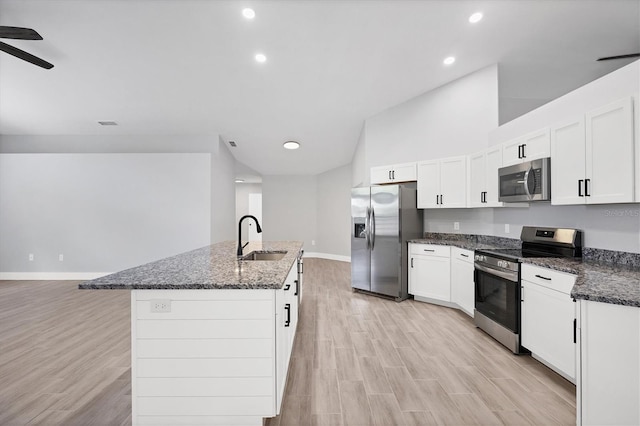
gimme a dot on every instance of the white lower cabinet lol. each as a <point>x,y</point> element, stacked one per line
<point>218,357</point>
<point>548,314</point>
<point>462,284</point>
<point>429,271</point>
<point>608,385</point>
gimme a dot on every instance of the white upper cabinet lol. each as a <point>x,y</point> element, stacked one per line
<point>609,154</point>
<point>442,183</point>
<point>526,148</point>
<point>394,173</point>
<point>592,158</point>
<point>483,177</point>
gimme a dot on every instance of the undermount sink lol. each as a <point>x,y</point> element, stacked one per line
<point>264,255</point>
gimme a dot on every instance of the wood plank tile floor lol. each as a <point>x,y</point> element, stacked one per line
<point>357,360</point>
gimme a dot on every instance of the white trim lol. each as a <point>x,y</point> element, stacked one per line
<point>328,256</point>
<point>54,276</point>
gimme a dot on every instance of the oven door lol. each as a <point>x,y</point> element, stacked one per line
<point>498,296</point>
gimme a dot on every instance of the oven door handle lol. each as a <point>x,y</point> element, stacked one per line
<point>507,275</point>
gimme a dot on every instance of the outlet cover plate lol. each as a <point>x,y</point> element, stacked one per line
<point>160,305</point>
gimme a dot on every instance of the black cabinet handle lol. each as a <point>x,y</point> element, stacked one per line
<point>441,202</point>
<point>428,250</point>
<point>586,187</point>
<point>519,151</point>
<point>297,287</point>
<point>580,187</point>
<point>574,330</point>
<point>393,174</point>
<point>389,174</point>
<point>287,287</point>
<point>524,155</point>
<point>412,262</point>
<point>287,309</point>
<point>464,255</point>
<point>544,278</point>
<point>437,199</point>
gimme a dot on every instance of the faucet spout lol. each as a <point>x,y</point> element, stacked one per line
<point>258,228</point>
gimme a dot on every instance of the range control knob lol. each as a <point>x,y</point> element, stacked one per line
<point>503,264</point>
<point>480,258</point>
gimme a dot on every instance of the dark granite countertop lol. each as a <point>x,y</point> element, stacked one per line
<point>596,281</point>
<point>463,244</point>
<point>211,267</point>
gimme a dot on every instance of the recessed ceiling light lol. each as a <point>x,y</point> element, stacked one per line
<point>107,123</point>
<point>449,60</point>
<point>261,58</point>
<point>476,17</point>
<point>248,13</point>
<point>239,180</point>
<point>291,145</point>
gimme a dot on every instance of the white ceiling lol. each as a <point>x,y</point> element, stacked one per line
<point>186,66</point>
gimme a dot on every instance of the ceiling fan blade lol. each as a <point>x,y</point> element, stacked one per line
<point>25,56</point>
<point>631,55</point>
<point>19,33</point>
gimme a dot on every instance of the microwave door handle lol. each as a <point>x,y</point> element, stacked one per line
<point>525,181</point>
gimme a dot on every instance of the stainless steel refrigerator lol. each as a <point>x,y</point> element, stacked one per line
<point>383,219</point>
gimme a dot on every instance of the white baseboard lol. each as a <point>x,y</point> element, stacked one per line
<point>51,276</point>
<point>328,256</point>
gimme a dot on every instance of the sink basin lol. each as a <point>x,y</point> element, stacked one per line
<point>264,255</point>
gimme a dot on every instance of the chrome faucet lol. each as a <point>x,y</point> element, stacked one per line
<point>240,246</point>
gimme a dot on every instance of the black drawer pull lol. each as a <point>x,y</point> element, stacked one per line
<point>297,287</point>
<point>464,255</point>
<point>428,250</point>
<point>544,278</point>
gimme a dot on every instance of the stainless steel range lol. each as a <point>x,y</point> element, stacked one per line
<point>497,279</point>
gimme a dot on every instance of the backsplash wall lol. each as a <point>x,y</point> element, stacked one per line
<point>611,226</point>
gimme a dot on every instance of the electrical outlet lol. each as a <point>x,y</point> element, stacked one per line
<point>31,257</point>
<point>456,226</point>
<point>506,228</point>
<point>161,305</point>
<point>61,257</point>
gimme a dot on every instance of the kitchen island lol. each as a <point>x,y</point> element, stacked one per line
<point>211,335</point>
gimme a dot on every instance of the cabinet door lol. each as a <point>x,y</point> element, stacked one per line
<point>380,174</point>
<point>511,152</point>
<point>568,163</point>
<point>609,386</point>
<point>404,172</point>
<point>536,145</point>
<point>453,182</point>
<point>428,184</point>
<point>547,326</point>
<point>281,343</point>
<point>493,163</point>
<point>430,277</point>
<point>610,150</point>
<point>477,175</point>
<point>462,285</point>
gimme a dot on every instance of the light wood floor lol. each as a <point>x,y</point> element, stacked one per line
<point>357,360</point>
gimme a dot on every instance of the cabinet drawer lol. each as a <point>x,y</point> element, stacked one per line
<point>462,254</point>
<point>430,250</point>
<point>554,280</point>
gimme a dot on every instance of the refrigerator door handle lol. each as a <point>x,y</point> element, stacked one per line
<point>367,224</point>
<point>372,222</point>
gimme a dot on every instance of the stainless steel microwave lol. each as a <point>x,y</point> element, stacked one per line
<point>528,181</point>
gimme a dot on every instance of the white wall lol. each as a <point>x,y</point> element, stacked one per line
<point>103,212</point>
<point>289,208</point>
<point>454,119</point>
<point>223,194</point>
<point>174,181</point>
<point>359,171</point>
<point>242,205</point>
<point>334,212</point>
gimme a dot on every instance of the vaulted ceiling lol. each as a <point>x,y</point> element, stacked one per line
<point>184,67</point>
